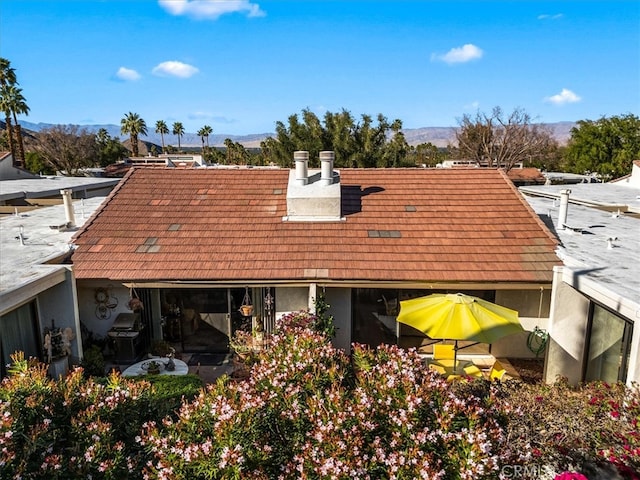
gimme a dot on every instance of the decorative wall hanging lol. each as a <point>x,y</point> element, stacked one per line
<point>106,303</point>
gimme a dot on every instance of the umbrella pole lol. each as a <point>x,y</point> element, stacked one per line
<point>455,357</point>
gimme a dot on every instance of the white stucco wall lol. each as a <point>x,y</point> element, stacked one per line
<point>339,300</point>
<point>533,311</point>
<point>567,332</point>
<point>87,305</point>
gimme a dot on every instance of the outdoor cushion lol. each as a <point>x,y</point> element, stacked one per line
<point>441,351</point>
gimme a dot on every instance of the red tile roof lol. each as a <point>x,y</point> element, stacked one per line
<point>526,175</point>
<point>400,225</point>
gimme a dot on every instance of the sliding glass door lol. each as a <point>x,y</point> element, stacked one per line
<point>609,345</point>
<point>19,332</point>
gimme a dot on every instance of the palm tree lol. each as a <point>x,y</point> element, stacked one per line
<point>162,129</point>
<point>178,130</point>
<point>17,105</point>
<point>133,125</point>
<point>202,134</point>
<point>207,131</point>
<point>7,79</point>
<point>6,109</point>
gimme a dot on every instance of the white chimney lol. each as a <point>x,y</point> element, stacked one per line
<point>326,167</point>
<point>314,195</point>
<point>302,167</point>
<point>68,207</point>
<point>564,208</point>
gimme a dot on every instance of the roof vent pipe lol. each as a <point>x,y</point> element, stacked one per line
<point>301,159</point>
<point>326,166</point>
<point>564,208</point>
<point>68,207</point>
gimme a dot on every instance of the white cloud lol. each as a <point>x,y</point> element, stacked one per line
<point>565,96</point>
<point>200,116</point>
<point>174,69</point>
<point>127,74</point>
<point>210,9</point>
<point>545,16</point>
<point>463,54</point>
<point>472,106</point>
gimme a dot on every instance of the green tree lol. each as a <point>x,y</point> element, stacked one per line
<point>5,106</point>
<point>202,134</point>
<point>110,150</point>
<point>500,141</point>
<point>67,149</point>
<point>361,145</point>
<point>162,129</point>
<point>178,129</point>
<point>207,130</point>
<point>133,125</point>
<point>370,140</point>
<point>12,102</point>
<point>607,146</point>
<point>36,164</point>
<point>340,136</point>
<point>397,149</point>
<point>426,154</point>
<point>18,105</point>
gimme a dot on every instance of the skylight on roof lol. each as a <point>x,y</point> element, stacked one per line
<point>384,234</point>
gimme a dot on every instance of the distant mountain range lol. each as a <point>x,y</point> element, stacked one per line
<point>438,136</point>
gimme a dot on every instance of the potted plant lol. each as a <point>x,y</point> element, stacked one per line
<point>152,367</point>
<point>135,304</point>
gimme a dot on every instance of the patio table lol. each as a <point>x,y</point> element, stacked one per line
<point>140,368</point>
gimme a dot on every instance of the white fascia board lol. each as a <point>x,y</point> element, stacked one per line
<point>49,277</point>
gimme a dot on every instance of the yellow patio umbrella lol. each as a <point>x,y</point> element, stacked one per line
<point>459,317</point>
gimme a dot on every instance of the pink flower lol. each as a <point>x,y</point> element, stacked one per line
<point>570,476</point>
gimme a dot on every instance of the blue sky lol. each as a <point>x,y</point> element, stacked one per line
<point>240,66</point>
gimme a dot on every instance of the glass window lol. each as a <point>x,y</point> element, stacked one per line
<point>609,345</point>
<point>19,332</point>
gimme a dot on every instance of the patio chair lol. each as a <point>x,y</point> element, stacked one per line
<point>443,352</point>
<point>497,371</point>
<point>472,371</point>
<point>437,368</point>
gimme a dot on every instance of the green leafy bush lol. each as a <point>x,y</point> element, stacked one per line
<point>93,362</point>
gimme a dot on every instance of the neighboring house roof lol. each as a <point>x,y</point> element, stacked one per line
<point>526,176</point>
<point>602,243</point>
<point>44,187</point>
<point>398,225</point>
<point>26,267</point>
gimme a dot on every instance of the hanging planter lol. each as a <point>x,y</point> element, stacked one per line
<point>134,303</point>
<point>246,309</point>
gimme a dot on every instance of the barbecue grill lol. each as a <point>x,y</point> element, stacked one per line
<point>126,338</point>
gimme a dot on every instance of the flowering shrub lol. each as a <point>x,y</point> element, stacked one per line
<point>590,428</point>
<point>309,411</point>
<point>73,428</point>
<point>570,476</point>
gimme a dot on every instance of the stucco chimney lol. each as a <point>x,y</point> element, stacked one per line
<point>564,208</point>
<point>326,167</point>
<point>302,167</point>
<point>68,207</point>
<point>313,195</point>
